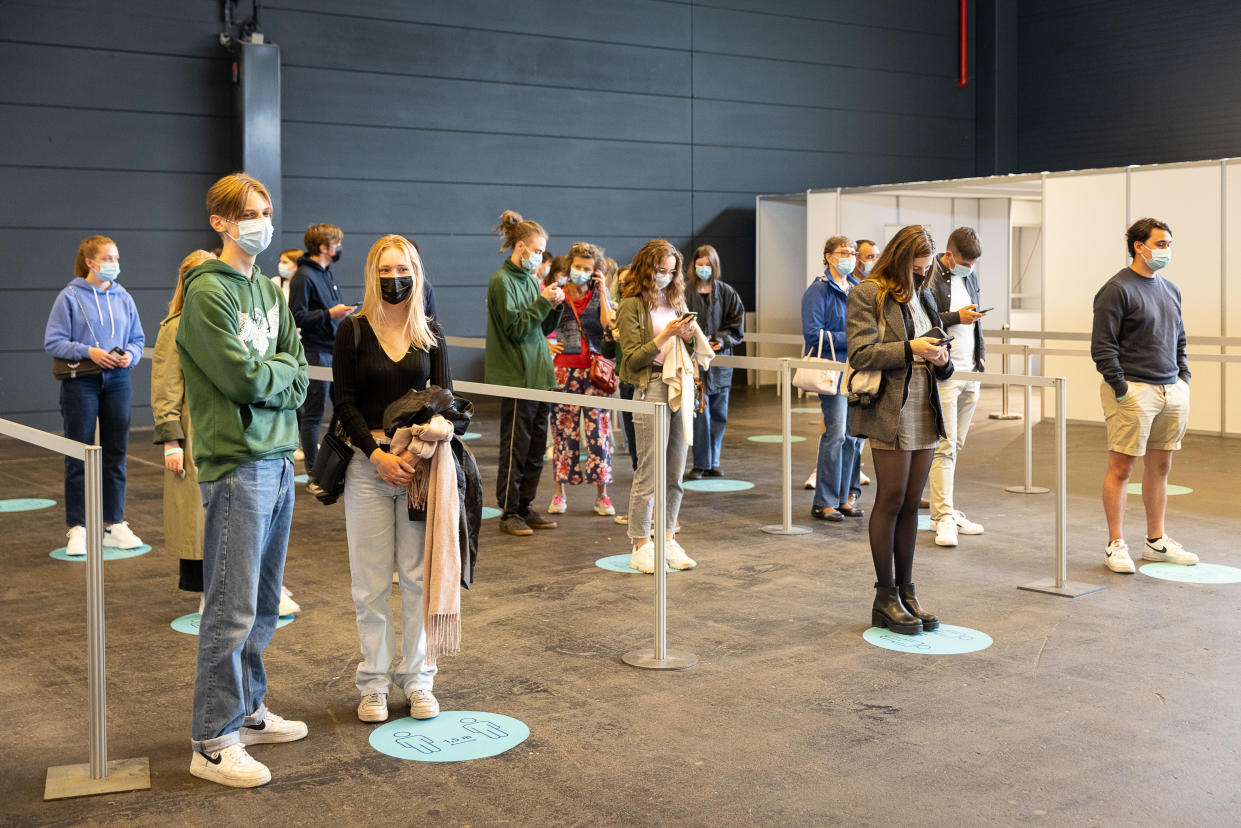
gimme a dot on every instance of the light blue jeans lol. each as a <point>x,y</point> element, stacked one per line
<point>840,461</point>
<point>245,537</point>
<point>709,431</point>
<point>381,536</point>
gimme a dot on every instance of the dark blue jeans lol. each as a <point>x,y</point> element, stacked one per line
<point>840,460</point>
<point>709,430</point>
<point>310,415</point>
<point>105,397</point>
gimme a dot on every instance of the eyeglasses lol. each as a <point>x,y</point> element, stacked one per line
<point>662,272</point>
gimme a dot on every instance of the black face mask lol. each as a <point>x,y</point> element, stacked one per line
<point>395,289</point>
<point>336,255</point>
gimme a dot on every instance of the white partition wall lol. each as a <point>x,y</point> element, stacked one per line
<point>779,269</point>
<point>1231,254</point>
<point>822,222</point>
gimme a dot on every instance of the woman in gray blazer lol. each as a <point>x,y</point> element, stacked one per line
<point>903,420</point>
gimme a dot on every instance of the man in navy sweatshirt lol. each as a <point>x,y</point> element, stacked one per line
<point>314,299</point>
<point>1138,345</point>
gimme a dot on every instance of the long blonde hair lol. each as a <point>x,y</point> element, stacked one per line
<point>417,324</point>
<point>190,262</point>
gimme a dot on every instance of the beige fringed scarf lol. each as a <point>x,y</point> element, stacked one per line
<point>434,488</point>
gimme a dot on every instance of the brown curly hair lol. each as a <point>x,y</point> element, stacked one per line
<point>640,280</point>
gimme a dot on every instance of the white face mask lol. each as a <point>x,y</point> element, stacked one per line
<point>253,235</point>
<point>286,270</point>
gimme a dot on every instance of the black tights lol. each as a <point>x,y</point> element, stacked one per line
<point>900,477</point>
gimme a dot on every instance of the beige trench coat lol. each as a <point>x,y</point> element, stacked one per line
<point>183,507</point>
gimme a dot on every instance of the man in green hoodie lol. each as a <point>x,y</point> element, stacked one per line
<point>245,376</point>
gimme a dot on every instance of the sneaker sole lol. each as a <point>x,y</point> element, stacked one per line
<point>1123,571</point>
<point>371,718</point>
<point>938,542</point>
<point>207,771</point>
<point>518,532</point>
<point>265,738</point>
<point>1164,559</point>
<point>423,715</point>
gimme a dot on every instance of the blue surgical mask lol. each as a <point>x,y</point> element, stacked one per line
<point>1160,258</point>
<point>109,271</point>
<point>253,235</point>
<point>561,281</point>
<point>845,265</point>
<point>662,280</point>
<point>703,273</point>
<point>580,277</point>
<point>962,270</point>
<point>867,267</point>
<point>531,263</point>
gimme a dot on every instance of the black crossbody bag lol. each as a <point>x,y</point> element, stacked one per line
<point>63,369</point>
<point>334,451</point>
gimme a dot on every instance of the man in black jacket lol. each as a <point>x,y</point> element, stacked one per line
<point>314,299</point>
<point>955,287</point>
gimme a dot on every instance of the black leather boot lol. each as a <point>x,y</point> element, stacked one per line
<point>888,611</point>
<point>910,600</point>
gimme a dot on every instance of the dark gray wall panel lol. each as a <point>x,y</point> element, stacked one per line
<point>782,171</point>
<point>898,15</point>
<point>104,198</point>
<point>444,103</point>
<point>329,151</point>
<point>729,78</point>
<point>1117,82</point>
<point>143,26</point>
<point>379,46</point>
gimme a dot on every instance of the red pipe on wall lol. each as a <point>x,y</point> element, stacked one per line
<point>961,76</point>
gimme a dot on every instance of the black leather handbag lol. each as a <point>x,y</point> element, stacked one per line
<point>330,464</point>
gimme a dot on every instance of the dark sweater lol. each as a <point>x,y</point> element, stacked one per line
<point>1138,331</point>
<point>365,379</point>
<point>313,292</point>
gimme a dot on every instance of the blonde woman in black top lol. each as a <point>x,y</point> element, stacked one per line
<point>396,347</point>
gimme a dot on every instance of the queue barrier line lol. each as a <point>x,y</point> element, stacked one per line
<point>97,775</point>
<point>659,657</point>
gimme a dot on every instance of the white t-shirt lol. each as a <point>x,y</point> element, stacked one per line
<point>963,341</point>
<point>660,317</point>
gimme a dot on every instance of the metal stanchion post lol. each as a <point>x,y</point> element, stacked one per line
<point>98,775</point>
<point>1060,584</point>
<point>659,658</point>
<point>786,460</point>
<point>1003,413</point>
<point>1028,487</point>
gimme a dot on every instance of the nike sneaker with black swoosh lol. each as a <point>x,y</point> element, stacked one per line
<point>231,766</point>
<point>272,729</point>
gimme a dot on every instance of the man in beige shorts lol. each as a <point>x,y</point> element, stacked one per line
<point>1138,345</point>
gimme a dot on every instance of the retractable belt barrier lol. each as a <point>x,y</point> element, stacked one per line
<point>98,775</point>
<point>659,657</point>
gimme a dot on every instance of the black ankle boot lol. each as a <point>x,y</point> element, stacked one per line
<point>889,612</point>
<point>910,600</point>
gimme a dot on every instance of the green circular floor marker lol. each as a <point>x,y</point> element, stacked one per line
<point>1173,489</point>
<point>471,435</point>
<point>620,563</point>
<point>25,504</point>
<point>717,484</point>
<point>110,553</point>
<point>774,438</point>
<point>1200,573</point>
<point>924,523</point>
<point>947,640</point>
<point>490,512</point>
<point>452,736</point>
<point>188,624</point>
<point>806,410</point>
<point>301,478</point>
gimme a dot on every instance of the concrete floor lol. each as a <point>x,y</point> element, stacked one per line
<point>1118,708</point>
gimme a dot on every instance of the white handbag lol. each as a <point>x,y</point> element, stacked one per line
<point>819,380</point>
<point>862,387</point>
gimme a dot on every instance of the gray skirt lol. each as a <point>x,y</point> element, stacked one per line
<point>916,428</point>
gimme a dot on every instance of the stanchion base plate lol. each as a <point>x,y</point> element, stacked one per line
<point>778,529</point>
<point>1027,489</point>
<point>1000,415</point>
<point>67,781</point>
<point>647,661</point>
<point>1071,589</point>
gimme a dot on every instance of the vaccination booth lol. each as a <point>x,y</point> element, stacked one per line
<point>1049,241</point>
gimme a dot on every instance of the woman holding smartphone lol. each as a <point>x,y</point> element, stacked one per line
<point>889,317</point>
<point>651,320</point>
<point>94,326</point>
<point>390,348</point>
<point>579,335</point>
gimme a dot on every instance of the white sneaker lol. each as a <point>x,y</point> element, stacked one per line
<point>422,704</point>
<point>287,605</point>
<point>863,480</point>
<point>967,526</point>
<point>120,536</point>
<point>299,455</point>
<point>812,480</point>
<point>202,604</point>
<point>643,558</point>
<point>1116,556</point>
<point>77,541</point>
<point>604,507</point>
<point>1168,551</point>
<point>232,766</point>
<point>946,531</point>
<point>373,707</point>
<point>271,730</point>
<point>675,556</point>
<point>558,505</point>
<point>622,520</point>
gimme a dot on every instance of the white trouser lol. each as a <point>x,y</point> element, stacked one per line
<point>381,535</point>
<point>958,399</point>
